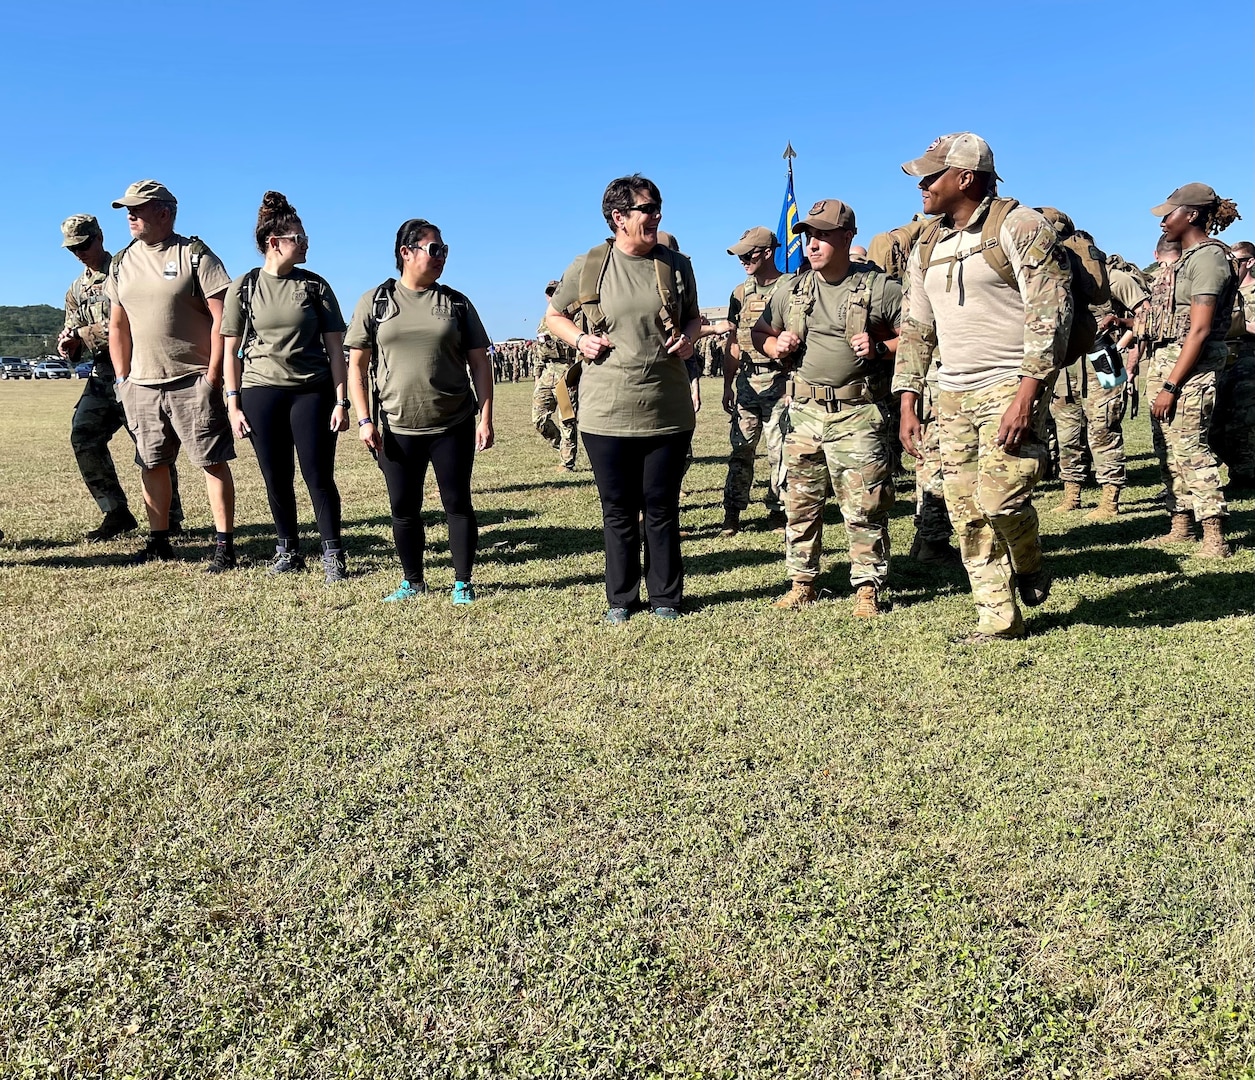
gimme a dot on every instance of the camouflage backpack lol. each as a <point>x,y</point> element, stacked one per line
<point>890,250</point>
<point>1088,272</point>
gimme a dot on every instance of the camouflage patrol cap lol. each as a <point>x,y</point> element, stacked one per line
<point>552,288</point>
<point>1190,195</point>
<point>963,150</point>
<point>143,191</point>
<point>827,214</point>
<point>79,229</point>
<point>754,239</point>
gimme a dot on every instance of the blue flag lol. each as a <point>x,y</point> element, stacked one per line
<point>789,251</point>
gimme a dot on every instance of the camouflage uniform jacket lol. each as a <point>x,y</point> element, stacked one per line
<point>1043,279</point>
<point>87,311</point>
<point>549,350</point>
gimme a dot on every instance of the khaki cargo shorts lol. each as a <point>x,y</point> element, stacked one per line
<point>189,413</point>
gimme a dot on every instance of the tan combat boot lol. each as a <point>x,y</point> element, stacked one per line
<point>1071,498</point>
<point>866,604</point>
<point>801,595</point>
<point>1179,533</point>
<point>1108,507</point>
<point>1213,545</point>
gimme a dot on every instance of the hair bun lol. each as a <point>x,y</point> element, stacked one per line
<point>275,202</point>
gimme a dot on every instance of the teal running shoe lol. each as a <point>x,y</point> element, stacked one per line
<point>406,592</point>
<point>463,592</point>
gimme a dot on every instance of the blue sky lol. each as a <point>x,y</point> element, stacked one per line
<point>502,123</point>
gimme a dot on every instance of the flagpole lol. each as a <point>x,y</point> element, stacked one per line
<point>788,155</point>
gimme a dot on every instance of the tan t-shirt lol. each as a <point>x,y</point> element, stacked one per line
<point>421,379</point>
<point>290,316</point>
<point>636,389</point>
<point>828,359</point>
<point>170,329</point>
<point>1205,270</point>
<point>1127,291</point>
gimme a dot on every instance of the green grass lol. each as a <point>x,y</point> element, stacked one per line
<point>254,827</point>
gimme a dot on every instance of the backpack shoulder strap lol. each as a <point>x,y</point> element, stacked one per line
<point>383,305</point>
<point>115,264</point>
<point>197,249</point>
<point>248,288</point>
<point>927,241</point>
<point>991,245</point>
<point>588,303</point>
<point>858,304</point>
<point>667,271</point>
<point>461,305</point>
<point>802,295</point>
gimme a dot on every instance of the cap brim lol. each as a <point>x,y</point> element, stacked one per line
<point>741,249</point>
<point>1163,209</point>
<point>129,200</point>
<point>923,166</point>
<point>68,242</point>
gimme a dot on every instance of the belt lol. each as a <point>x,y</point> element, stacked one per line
<point>759,369</point>
<point>832,398</point>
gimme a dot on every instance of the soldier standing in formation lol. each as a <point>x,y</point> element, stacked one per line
<point>755,401</point>
<point>98,414</point>
<point>1233,423</point>
<point>554,358</point>
<point>840,319</point>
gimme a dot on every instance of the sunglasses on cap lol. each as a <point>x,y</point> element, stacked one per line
<point>431,249</point>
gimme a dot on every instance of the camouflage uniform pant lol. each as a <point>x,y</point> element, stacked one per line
<point>1193,473</point>
<point>1233,422</point>
<point>848,450</point>
<point>989,496</point>
<point>1086,414</point>
<point>97,418</point>
<point>932,522</point>
<point>561,434</point>
<point>758,411</point>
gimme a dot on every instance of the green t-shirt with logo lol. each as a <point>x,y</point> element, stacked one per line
<point>423,386</point>
<point>636,389</point>
<point>290,315</point>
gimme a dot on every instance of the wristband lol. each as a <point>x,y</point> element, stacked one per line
<point>1172,388</point>
<point>343,404</point>
<point>578,339</point>
<point>232,393</point>
<point>364,421</point>
<point>119,380</point>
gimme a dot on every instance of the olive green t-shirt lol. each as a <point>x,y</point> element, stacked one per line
<point>828,359</point>
<point>636,389</point>
<point>1126,290</point>
<point>170,328</point>
<point>422,383</point>
<point>290,315</point>
<point>1204,270</point>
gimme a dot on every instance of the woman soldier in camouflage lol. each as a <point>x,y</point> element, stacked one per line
<point>1191,308</point>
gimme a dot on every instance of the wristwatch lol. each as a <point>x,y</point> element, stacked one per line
<point>344,404</point>
<point>1172,388</point>
<point>881,349</point>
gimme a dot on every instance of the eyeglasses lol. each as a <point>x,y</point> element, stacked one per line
<point>750,256</point>
<point>431,249</point>
<point>649,209</point>
<point>296,238</point>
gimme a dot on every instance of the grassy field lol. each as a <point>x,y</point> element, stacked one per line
<point>256,827</point>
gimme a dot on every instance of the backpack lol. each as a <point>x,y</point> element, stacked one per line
<point>890,250</point>
<point>196,250</point>
<point>858,305</point>
<point>592,320</point>
<point>1089,280</point>
<point>1119,262</point>
<point>248,287</point>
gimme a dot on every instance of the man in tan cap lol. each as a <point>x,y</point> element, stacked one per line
<point>989,284</point>
<point>166,291</point>
<point>553,358</point>
<point>753,383</point>
<point>98,414</point>
<point>836,326</point>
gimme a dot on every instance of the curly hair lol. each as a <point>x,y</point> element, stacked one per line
<point>1220,215</point>
<point>275,217</point>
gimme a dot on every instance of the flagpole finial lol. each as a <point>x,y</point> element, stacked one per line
<point>789,152</point>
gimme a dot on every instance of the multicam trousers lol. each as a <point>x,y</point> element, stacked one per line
<point>759,411</point>
<point>561,434</point>
<point>989,496</point>
<point>1233,421</point>
<point>846,448</point>
<point>1084,413</point>
<point>1192,471</point>
<point>932,522</point>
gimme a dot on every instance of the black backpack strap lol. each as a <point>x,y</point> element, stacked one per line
<point>248,289</point>
<point>196,248</point>
<point>115,267</point>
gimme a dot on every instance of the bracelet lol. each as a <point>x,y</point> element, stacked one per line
<point>232,393</point>
<point>119,380</point>
<point>364,421</point>
<point>343,404</point>
<point>578,338</point>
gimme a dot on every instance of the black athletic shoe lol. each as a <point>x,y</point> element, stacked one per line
<point>222,560</point>
<point>153,551</point>
<point>334,567</point>
<point>286,562</point>
<point>116,523</point>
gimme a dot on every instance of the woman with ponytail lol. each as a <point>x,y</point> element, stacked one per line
<point>1191,308</point>
<point>286,379</point>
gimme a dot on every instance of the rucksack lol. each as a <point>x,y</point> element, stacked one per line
<point>1119,262</point>
<point>890,250</point>
<point>1088,277</point>
<point>858,304</point>
<point>196,249</point>
<point>592,320</point>
<point>248,287</point>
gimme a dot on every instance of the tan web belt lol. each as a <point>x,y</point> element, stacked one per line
<point>831,398</point>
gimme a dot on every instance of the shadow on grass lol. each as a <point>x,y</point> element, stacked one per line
<point>1197,598</point>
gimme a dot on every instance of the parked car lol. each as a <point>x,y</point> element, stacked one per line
<point>14,367</point>
<point>52,369</point>
<point>83,370</point>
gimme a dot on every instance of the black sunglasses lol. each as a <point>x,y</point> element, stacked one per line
<point>649,209</point>
<point>750,256</point>
<point>77,248</point>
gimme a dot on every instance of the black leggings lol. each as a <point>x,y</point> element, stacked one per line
<point>403,460</point>
<point>284,418</point>
<point>636,475</point>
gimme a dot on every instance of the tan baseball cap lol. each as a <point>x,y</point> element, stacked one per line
<point>1190,195</point>
<point>827,214</point>
<point>753,240</point>
<point>143,191</point>
<point>79,229</point>
<point>962,150</point>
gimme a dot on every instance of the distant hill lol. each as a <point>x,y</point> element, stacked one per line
<point>30,331</point>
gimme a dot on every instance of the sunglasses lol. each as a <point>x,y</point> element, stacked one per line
<point>649,209</point>
<point>296,238</point>
<point>78,248</point>
<point>750,256</point>
<point>431,249</point>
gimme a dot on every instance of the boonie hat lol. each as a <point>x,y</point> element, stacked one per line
<point>552,288</point>
<point>143,191</point>
<point>753,239</point>
<point>962,150</point>
<point>1190,195</point>
<point>79,229</point>
<point>827,214</point>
